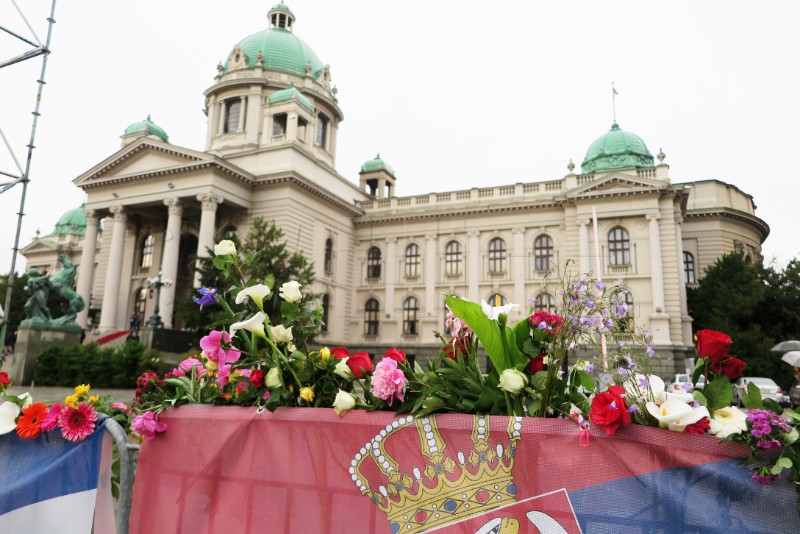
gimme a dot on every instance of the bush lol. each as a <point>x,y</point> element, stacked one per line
<point>89,364</point>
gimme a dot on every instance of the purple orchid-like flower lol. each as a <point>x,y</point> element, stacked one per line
<point>208,296</point>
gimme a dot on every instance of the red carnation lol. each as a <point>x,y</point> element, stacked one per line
<point>359,363</point>
<point>731,367</point>
<point>257,378</point>
<point>713,345</point>
<point>397,355</point>
<point>699,427</point>
<point>609,410</point>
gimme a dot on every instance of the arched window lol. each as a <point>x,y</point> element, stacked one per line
<point>321,137</point>
<point>233,111</point>
<point>229,232</point>
<point>622,300</point>
<point>545,302</point>
<point>371,320</point>
<point>452,259</point>
<point>543,253</point>
<point>412,260</point>
<point>328,256</point>
<point>619,247</point>
<point>140,303</point>
<point>325,308</point>
<point>496,299</point>
<point>146,251</point>
<point>411,316</point>
<point>497,256</point>
<point>688,267</point>
<point>374,263</point>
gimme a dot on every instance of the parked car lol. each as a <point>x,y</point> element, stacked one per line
<point>679,383</point>
<point>794,394</point>
<point>769,389</point>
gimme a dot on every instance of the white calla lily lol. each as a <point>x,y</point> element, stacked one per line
<point>641,383</point>
<point>670,411</point>
<point>493,312</point>
<point>683,396</point>
<point>254,324</point>
<point>8,417</point>
<point>256,293</point>
<point>697,414</point>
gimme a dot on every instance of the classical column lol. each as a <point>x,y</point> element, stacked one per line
<point>430,274</point>
<point>108,313</point>
<point>213,120</point>
<point>86,269</point>
<point>686,319</point>
<point>518,273</point>
<point>659,323</point>
<point>253,110</point>
<point>586,264</point>
<point>169,261</point>
<point>391,274</point>
<point>473,265</point>
<point>208,202</point>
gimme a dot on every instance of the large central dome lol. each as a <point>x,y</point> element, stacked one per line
<point>281,49</point>
<point>616,149</point>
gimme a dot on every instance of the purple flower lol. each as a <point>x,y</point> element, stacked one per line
<point>208,296</point>
<point>599,285</point>
<point>764,479</point>
<point>633,409</point>
<point>687,387</point>
<point>623,372</point>
<point>532,301</point>
<point>769,444</point>
<point>644,383</point>
<point>590,368</point>
<point>651,351</point>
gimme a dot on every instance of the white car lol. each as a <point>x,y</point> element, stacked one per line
<point>683,382</point>
<point>769,389</point>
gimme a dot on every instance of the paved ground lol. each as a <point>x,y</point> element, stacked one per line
<point>57,394</point>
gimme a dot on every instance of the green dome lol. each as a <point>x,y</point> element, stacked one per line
<point>288,94</point>
<point>72,222</point>
<point>616,149</point>
<point>377,164</point>
<point>149,127</point>
<point>282,50</point>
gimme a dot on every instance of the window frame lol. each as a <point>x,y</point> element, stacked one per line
<point>233,109</point>
<point>412,260</point>
<point>146,249</point>
<point>541,306</point>
<point>328,258</point>
<point>325,304</point>
<point>372,309</point>
<point>453,256</point>
<point>411,316</point>
<point>374,260</point>
<point>619,247</point>
<point>689,267</point>
<point>497,255</point>
<point>321,133</point>
<point>543,252</point>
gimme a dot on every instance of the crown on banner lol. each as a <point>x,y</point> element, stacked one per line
<point>449,486</point>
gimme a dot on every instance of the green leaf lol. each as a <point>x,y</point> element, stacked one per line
<point>719,393</point>
<point>791,437</point>
<point>752,399</point>
<point>522,331</point>
<point>780,465</point>
<point>792,413</point>
<point>220,262</point>
<point>698,371</point>
<point>500,344</point>
<point>773,406</point>
<point>699,397</point>
<point>585,380</point>
<point>289,310</point>
<point>269,280</point>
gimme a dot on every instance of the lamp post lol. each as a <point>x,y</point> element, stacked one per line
<point>157,283</point>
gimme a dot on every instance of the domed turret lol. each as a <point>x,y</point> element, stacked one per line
<point>377,164</point>
<point>377,178</point>
<point>616,149</point>
<point>72,222</point>
<point>143,129</point>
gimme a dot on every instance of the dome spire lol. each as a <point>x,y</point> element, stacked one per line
<point>280,16</point>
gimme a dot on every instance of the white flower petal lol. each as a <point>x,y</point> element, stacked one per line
<point>256,293</point>
<point>254,324</point>
<point>8,417</point>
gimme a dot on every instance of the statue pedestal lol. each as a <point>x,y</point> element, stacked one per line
<point>31,341</point>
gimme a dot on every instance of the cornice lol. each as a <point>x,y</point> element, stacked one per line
<point>727,213</point>
<point>450,213</point>
<point>170,171</point>
<point>293,180</point>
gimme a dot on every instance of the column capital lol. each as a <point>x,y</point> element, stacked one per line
<point>653,217</point>
<point>91,216</point>
<point>520,230</point>
<point>174,205</point>
<point>474,234</point>
<point>431,237</point>
<point>119,213</point>
<point>209,201</point>
<point>391,240</point>
<point>583,221</point>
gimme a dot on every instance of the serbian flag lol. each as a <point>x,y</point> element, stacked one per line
<point>49,484</point>
<point>235,469</point>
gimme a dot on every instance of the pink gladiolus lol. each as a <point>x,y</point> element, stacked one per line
<point>147,424</point>
<point>211,345</point>
<point>388,382</point>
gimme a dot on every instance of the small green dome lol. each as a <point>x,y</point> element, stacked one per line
<point>149,127</point>
<point>282,50</point>
<point>616,149</point>
<point>72,222</point>
<point>288,94</point>
<point>377,164</point>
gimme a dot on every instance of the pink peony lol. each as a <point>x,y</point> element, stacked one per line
<point>388,382</point>
<point>50,420</point>
<point>77,423</point>
<point>211,345</point>
<point>147,424</point>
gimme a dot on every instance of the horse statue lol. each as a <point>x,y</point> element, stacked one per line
<point>60,286</point>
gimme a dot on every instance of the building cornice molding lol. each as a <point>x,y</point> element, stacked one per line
<point>302,184</point>
<point>397,215</point>
<point>728,213</point>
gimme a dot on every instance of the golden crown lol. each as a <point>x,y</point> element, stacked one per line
<point>450,485</point>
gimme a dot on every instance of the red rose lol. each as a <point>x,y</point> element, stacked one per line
<point>257,378</point>
<point>731,367</point>
<point>455,348</point>
<point>537,364</point>
<point>699,427</point>
<point>609,410</point>
<point>340,353</point>
<point>359,363</point>
<point>397,355</point>
<point>713,345</point>
<point>4,379</point>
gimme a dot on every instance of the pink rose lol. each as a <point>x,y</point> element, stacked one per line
<point>388,382</point>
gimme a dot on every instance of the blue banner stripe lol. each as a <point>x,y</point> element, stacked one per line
<point>34,470</point>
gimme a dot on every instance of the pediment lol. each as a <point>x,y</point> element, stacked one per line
<point>140,158</point>
<point>617,185</point>
<point>40,246</point>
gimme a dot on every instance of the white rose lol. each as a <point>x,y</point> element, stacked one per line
<point>343,370</point>
<point>290,291</point>
<point>224,247</point>
<point>343,402</point>
<point>512,381</point>
<point>273,378</point>
<point>281,334</point>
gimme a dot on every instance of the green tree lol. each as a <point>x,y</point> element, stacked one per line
<point>16,313</point>
<point>271,256</point>
<point>756,305</point>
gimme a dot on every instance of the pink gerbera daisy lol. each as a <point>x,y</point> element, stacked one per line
<point>50,420</point>
<point>77,423</point>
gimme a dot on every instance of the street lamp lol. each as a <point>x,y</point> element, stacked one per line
<point>157,283</point>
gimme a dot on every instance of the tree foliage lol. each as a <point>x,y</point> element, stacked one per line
<point>271,256</point>
<point>16,313</point>
<point>757,305</point>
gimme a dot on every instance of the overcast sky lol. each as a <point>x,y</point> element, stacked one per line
<point>453,94</point>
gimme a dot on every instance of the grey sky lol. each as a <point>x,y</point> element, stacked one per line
<point>453,94</point>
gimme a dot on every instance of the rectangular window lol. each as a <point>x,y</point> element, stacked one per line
<point>321,139</point>
<point>233,110</point>
<point>279,124</point>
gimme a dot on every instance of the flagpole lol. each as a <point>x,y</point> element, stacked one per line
<point>598,275</point>
<point>614,101</point>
